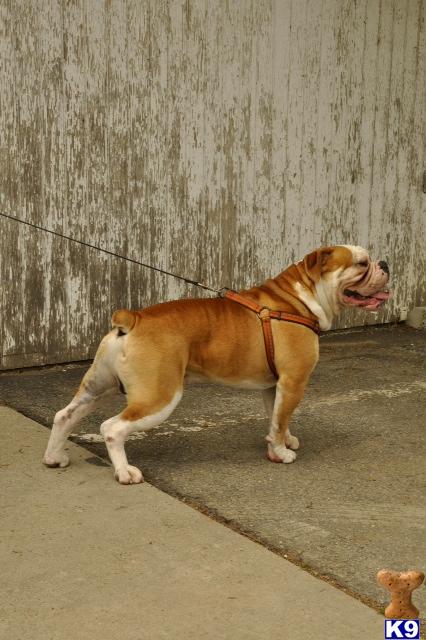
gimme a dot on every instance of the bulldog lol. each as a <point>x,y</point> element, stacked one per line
<point>151,354</point>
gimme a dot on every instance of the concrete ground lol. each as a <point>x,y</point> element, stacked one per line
<point>354,502</point>
<point>85,558</point>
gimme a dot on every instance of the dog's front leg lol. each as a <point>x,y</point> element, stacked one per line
<point>268,397</point>
<point>288,394</point>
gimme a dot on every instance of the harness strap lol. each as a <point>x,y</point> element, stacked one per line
<point>266,315</point>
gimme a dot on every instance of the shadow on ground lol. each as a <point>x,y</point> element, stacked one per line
<point>355,500</point>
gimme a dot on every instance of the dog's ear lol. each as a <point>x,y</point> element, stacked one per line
<point>315,262</point>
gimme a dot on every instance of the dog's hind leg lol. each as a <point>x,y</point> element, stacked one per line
<point>138,416</point>
<point>97,383</point>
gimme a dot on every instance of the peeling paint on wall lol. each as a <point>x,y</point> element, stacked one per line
<point>220,140</point>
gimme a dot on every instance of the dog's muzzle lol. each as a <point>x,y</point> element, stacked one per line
<point>372,290</point>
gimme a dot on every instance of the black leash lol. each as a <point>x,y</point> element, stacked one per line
<point>111,253</point>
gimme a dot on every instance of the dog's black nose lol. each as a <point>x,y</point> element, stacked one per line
<point>384,266</point>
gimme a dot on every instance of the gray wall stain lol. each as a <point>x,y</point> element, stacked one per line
<point>220,140</point>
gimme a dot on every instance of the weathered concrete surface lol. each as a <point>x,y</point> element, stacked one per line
<point>354,501</point>
<point>219,140</point>
<point>83,558</point>
<point>417,318</point>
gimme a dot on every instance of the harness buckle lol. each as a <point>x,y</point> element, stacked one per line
<point>264,313</point>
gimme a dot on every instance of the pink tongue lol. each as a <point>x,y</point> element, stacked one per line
<point>374,304</point>
<point>382,295</point>
<point>377,299</point>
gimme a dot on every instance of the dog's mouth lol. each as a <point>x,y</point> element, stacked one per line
<point>372,302</point>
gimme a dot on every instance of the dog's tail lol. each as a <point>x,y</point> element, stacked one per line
<point>124,320</point>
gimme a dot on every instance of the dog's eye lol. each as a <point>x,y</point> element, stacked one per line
<point>364,263</point>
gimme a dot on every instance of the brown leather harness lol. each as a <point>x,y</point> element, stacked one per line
<point>266,315</point>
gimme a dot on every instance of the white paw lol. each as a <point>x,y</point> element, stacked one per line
<point>292,442</point>
<point>128,475</point>
<point>56,460</point>
<point>280,453</point>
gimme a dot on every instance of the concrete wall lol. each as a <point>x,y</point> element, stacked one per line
<point>221,139</point>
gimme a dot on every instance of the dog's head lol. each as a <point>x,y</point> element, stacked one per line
<point>344,276</point>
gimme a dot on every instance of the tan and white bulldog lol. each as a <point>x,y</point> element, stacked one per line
<point>150,354</point>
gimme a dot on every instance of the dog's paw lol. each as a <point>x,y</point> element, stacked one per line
<point>292,442</point>
<point>280,453</point>
<point>128,475</point>
<point>56,460</point>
